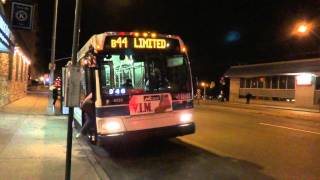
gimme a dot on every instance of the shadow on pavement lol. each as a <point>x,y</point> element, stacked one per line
<point>172,159</point>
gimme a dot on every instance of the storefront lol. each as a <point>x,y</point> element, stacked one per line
<point>14,66</point>
<point>290,83</point>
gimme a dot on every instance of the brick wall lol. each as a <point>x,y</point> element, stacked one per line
<point>15,88</point>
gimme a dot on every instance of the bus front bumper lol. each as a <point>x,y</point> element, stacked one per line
<point>162,132</point>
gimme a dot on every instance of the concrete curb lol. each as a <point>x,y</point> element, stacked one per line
<point>92,159</point>
<point>252,106</point>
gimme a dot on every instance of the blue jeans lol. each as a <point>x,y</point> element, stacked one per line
<point>88,120</point>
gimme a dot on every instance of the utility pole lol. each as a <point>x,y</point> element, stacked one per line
<point>74,64</point>
<point>204,93</point>
<point>53,54</point>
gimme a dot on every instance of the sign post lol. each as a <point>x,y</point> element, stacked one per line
<point>71,108</point>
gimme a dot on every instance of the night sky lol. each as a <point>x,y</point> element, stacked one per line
<point>217,34</point>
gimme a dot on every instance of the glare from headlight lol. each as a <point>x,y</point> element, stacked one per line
<point>186,117</point>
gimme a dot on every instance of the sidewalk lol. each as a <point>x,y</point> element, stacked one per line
<point>279,111</point>
<point>33,145</point>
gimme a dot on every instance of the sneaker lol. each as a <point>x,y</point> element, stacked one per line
<point>78,135</point>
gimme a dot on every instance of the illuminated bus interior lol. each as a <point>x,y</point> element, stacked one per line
<point>148,73</point>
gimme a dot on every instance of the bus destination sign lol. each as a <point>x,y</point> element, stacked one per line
<point>138,43</point>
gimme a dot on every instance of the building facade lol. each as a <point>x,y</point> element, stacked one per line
<point>14,64</point>
<point>288,83</point>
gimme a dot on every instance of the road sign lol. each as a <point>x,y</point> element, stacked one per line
<point>21,15</point>
<point>52,66</point>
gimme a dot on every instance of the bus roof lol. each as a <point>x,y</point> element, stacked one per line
<point>97,41</point>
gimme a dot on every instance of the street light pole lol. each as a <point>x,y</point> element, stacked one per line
<point>53,45</point>
<point>204,93</point>
<point>74,63</point>
<point>204,85</point>
<point>53,53</point>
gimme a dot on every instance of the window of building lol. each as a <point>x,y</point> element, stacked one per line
<point>254,83</point>
<point>242,83</point>
<point>275,82</point>
<point>291,82</point>
<point>318,83</point>
<point>283,82</point>
<point>261,82</point>
<point>268,82</point>
<point>248,82</point>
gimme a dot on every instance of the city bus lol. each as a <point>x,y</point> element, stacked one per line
<point>141,84</point>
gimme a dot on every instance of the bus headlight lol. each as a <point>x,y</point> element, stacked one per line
<point>186,117</point>
<point>112,126</point>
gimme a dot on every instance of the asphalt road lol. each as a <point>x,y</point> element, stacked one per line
<point>229,144</point>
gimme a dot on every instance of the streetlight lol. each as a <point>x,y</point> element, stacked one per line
<point>204,85</point>
<point>303,28</point>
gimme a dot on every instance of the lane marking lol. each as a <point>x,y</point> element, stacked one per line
<point>284,127</point>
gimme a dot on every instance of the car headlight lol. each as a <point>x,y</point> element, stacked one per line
<point>186,117</point>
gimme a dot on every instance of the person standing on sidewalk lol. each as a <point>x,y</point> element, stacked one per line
<point>54,95</point>
<point>87,107</point>
<point>198,96</point>
<point>248,97</point>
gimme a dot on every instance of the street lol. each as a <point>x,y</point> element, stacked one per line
<point>229,144</point>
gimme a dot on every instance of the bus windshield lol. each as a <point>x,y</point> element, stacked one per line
<point>149,72</point>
